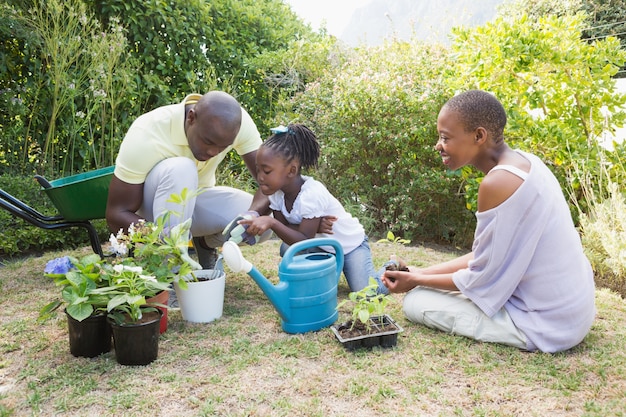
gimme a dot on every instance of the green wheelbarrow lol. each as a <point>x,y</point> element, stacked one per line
<point>78,198</point>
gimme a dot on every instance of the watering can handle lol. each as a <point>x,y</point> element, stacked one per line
<point>316,242</point>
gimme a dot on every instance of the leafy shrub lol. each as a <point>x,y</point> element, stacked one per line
<point>602,215</point>
<point>604,239</point>
<point>375,116</point>
<point>68,88</point>
<point>553,102</point>
<point>76,73</point>
<point>194,46</point>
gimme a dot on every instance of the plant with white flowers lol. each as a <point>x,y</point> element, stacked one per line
<point>129,286</point>
<point>146,260</point>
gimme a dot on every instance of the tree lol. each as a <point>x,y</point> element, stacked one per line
<point>604,17</point>
<point>552,83</point>
<point>375,116</point>
<point>169,39</point>
<point>539,8</point>
<point>198,45</point>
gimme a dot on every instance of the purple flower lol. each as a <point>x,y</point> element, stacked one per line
<point>59,266</point>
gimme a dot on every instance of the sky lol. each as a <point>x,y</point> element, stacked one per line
<point>336,13</point>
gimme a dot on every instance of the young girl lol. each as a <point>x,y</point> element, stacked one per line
<point>299,203</point>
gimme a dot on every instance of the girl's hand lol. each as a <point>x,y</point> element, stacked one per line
<point>326,225</point>
<point>257,226</point>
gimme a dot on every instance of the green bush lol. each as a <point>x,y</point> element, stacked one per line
<point>195,46</point>
<point>76,73</point>
<point>552,83</point>
<point>602,214</point>
<point>375,117</point>
<point>68,89</point>
<point>604,240</point>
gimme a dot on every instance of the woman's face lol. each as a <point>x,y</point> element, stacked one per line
<point>455,145</point>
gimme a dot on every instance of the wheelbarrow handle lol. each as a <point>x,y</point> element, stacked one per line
<point>42,181</point>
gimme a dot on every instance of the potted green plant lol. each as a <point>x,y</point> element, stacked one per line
<point>368,325</point>
<point>200,294</point>
<point>134,323</point>
<point>146,260</point>
<point>160,251</point>
<point>79,279</point>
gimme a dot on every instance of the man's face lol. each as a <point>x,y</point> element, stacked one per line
<point>206,136</point>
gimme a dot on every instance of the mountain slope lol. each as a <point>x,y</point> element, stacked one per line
<point>428,20</point>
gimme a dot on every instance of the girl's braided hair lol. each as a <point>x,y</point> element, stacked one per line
<point>295,142</point>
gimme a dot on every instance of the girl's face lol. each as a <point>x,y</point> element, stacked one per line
<point>456,146</point>
<point>272,173</point>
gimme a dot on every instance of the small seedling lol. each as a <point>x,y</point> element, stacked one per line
<point>391,238</point>
<point>366,303</point>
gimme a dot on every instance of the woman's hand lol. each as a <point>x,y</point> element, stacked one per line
<point>401,281</point>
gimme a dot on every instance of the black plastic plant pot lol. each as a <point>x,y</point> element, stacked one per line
<point>89,338</point>
<point>137,344</point>
<point>383,333</point>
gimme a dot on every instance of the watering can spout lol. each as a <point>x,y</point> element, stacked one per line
<point>275,293</point>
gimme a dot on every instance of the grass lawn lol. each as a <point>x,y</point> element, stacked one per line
<point>244,364</point>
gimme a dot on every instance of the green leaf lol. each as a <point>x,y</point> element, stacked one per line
<point>46,311</point>
<point>80,312</point>
<point>117,301</point>
<point>364,316</point>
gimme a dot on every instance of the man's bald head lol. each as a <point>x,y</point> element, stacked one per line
<point>212,124</point>
<point>218,107</point>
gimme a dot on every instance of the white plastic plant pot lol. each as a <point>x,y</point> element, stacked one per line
<point>203,300</point>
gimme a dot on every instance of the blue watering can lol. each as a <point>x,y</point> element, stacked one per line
<point>306,295</point>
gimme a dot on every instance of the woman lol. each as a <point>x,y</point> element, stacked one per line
<point>527,282</point>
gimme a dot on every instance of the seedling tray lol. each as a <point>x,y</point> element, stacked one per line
<point>378,336</point>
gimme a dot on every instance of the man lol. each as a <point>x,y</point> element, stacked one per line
<point>180,146</point>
